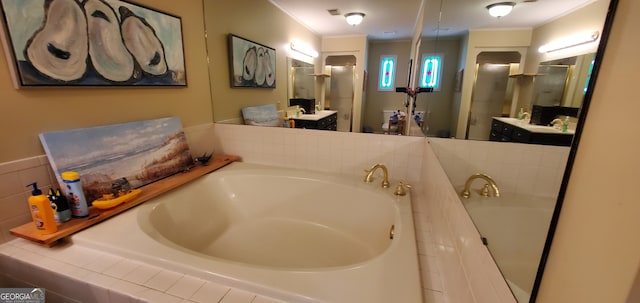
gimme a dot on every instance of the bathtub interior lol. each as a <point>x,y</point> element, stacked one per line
<point>515,227</point>
<point>308,223</point>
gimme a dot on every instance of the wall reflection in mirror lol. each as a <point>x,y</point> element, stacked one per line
<point>495,90</point>
<point>301,80</point>
<point>562,83</point>
<point>363,108</point>
<point>493,87</point>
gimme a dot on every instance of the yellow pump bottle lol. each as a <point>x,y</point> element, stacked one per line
<point>41,211</point>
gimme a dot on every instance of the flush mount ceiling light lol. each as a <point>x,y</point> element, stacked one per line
<point>500,9</point>
<point>354,18</point>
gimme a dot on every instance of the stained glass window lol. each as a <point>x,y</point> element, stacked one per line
<point>586,83</point>
<point>430,71</point>
<point>387,73</point>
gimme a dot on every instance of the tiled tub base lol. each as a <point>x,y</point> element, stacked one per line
<point>71,273</point>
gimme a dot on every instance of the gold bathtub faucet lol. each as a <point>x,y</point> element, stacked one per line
<point>369,177</point>
<point>485,190</point>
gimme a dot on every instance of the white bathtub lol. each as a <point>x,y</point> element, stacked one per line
<point>298,236</point>
<point>515,227</point>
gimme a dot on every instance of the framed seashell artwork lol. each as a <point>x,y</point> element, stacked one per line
<point>251,64</point>
<point>91,43</point>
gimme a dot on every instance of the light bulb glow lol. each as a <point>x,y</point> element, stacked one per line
<point>304,49</point>
<point>354,19</point>
<point>500,9</point>
<point>571,41</point>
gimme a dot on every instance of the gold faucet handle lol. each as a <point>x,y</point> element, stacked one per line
<point>401,189</point>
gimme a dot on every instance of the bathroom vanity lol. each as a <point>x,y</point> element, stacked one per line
<point>322,120</point>
<point>514,130</point>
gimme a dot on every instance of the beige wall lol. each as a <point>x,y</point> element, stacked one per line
<point>595,254</point>
<point>439,103</point>
<point>356,46</point>
<point>376,100</point>
<point>30,111</point>
<point>261,22</point>
<point>587,19</point>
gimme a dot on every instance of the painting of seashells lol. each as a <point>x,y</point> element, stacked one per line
<point>91,43</point>
<point>252,64</point>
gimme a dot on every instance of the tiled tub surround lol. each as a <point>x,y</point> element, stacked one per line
<point>529,178</point>
<point>444,274</point>
<point>518,168</point>
<point>456,266</point>
<point>14,176</point>
<point>73,273</point>
<point>334,152</point>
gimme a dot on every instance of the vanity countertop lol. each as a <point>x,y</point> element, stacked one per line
<point>532,127</point>
<point>317,116</point>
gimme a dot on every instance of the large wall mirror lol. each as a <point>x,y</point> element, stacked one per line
<point>460,42</point>
<point>563,82</point>
<point>508,109</point>
<point>367,108</point>
<point>301,82</point>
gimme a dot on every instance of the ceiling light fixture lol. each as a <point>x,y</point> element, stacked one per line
<point>500,9</point>
<point>354,18</point>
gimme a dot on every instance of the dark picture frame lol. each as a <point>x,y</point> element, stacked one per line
<point>114,43</point>
<point>251,64</point>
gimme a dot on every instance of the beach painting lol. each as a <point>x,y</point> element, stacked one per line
<point>263,115</point>
<point>142,152</point>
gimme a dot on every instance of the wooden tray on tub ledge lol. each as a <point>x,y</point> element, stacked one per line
<point>28,231</point>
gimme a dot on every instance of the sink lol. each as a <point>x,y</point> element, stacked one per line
<point>533,127</point>
<point>545,129</point>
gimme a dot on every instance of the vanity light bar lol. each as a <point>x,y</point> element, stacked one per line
<point>579,39</point>
<point>304,49</point>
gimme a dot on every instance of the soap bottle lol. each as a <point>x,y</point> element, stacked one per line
<point>62,213</point>
<point>75,195</point>
<point>41,211</point>
<point>285,120</point>
<point>521,114</point>
<point>565,124</point>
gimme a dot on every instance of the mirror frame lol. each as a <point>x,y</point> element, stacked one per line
<point>606,31</point>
